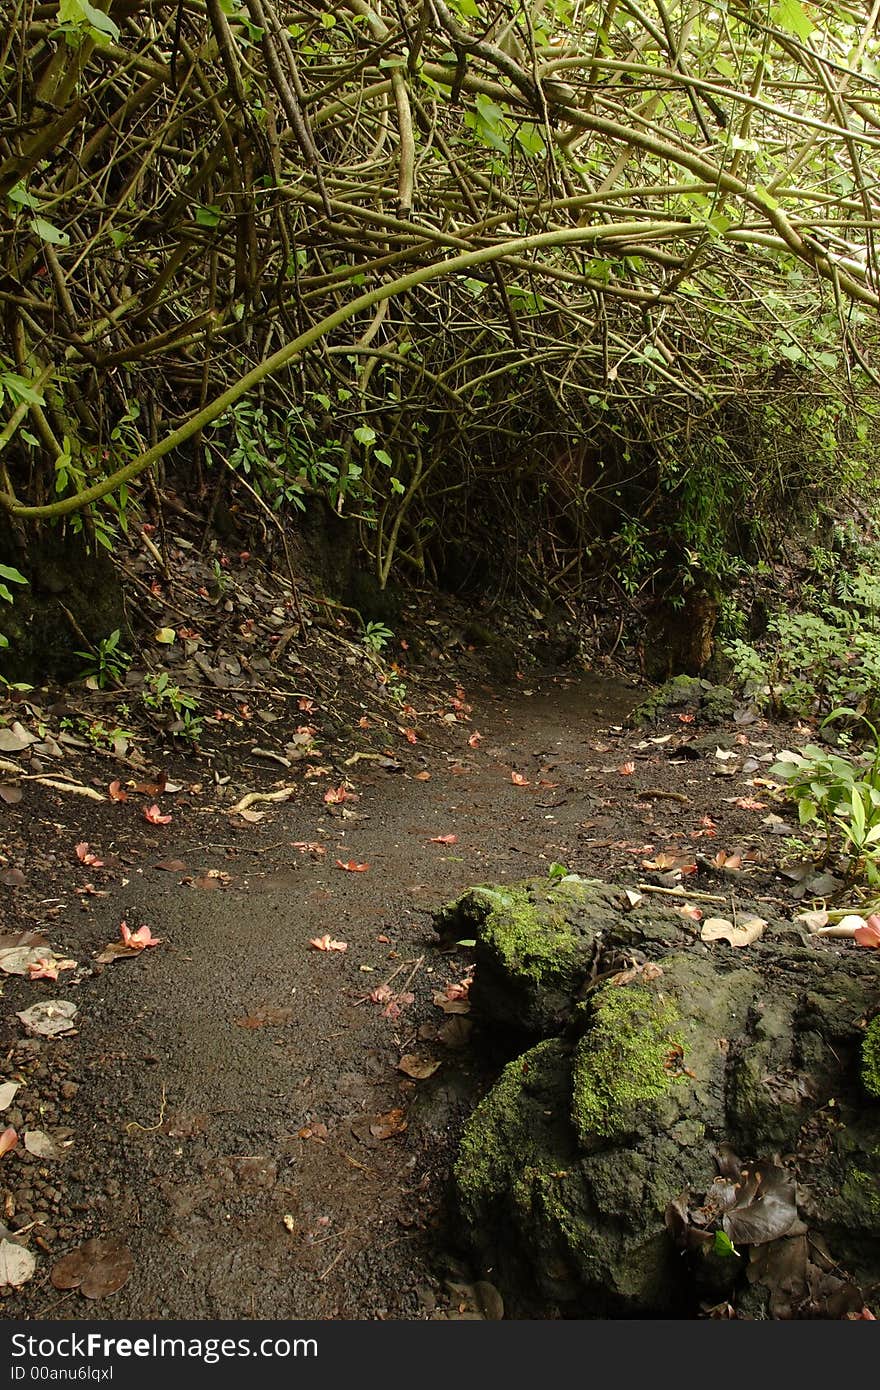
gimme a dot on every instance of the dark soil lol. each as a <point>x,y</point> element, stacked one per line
<point>232,1098</point>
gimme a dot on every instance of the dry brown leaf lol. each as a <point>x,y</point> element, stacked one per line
<point>419,1068</point>
<point>49,1018</point>
<point>387,1125</point>
<point>16,1264</point>
<point>8,1092</point>
<point>746,931</point>
<point>40,1144</point>
<point>98,1267</point>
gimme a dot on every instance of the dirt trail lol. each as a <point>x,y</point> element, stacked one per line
<point>239,1111</point>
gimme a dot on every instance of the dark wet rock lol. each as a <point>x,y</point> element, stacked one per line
<point>691,1095</point>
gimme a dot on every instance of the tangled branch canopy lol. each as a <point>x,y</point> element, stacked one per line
<point>425,224</point>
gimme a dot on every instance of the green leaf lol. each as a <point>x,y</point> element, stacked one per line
<point>49,233</point>
<point>81,12</point>
<point>397,486</point>
<point>20,195</point>
<point>791,16</point>
<point>13,575</point>
<point>766,198</point>
<point>364,435</point>
<point>208,216</point>
<point>529,138</point>
<point>382,456</point>
<point>724,1245</point>
<point>558,871</point>
<point>857,810</point>
<point>20,389</point>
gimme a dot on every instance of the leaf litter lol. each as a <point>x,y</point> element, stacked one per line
<point>98,1267</point>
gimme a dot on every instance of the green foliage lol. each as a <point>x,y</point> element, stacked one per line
<point>825,656</point>
<point>840,793</point>
<point>286,456</point>
<point>8,575</point>
<point>106,663</point>
<point>376,637</point>
<point>165,699</point>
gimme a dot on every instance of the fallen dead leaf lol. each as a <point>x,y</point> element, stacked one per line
<point>475,740</point>
<point>626,769</point>
<point>155,816</point>
<point>8,1092</point>
<point>443,840</point>
<point>455,1032</point>
<point>449,1005</point>
<point>151,788</point>
<point>387,1125</point>
<point>319,1132</point>
<point>419,1068</point>
<point>16,1264</point>
<point>40,1144</point>
<point>99,1267</point>
<point>116,793</point>
<point>747,930</point>
<point>518,780</point>
<point>351,866</point>
<point>49,1018</point>
<point>421,776</point>
<point>11,793</point>
<point>171,866</point>
<point>16,739</point>
<point>8,1140</point>
<point>325,943</point>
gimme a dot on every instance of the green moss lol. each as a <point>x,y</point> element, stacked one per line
<point>526,940</point>
<point>861,1195</point>
<point>871,1058</point>
<point>624,1059</point>
<point>486,1150</point>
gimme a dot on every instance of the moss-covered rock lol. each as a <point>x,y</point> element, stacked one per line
<point>871,1057</point>
<point>535,942</point>
<point>714,704</point>
<point>630,1056</point>
<point>569,1169</point>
